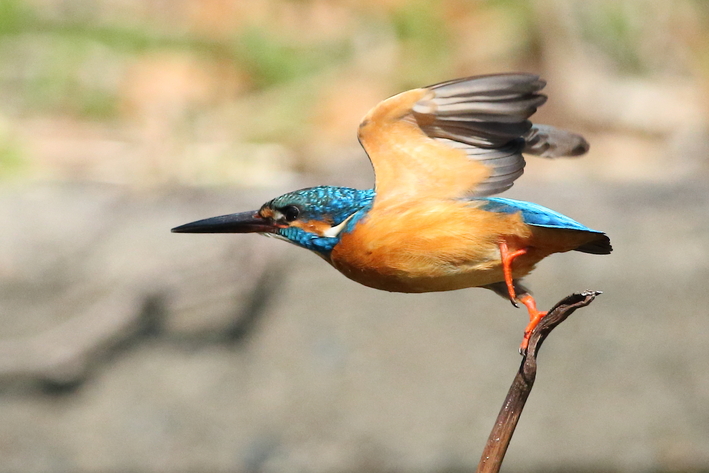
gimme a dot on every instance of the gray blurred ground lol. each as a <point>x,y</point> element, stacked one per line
<point>240,353</point>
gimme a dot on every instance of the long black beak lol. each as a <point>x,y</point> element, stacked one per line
<point>244,222</point>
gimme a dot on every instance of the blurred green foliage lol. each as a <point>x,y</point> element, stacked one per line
<point>425,39</point>
<point>71,63</point>
<point>271,58</point>
<point>271,71</point>
<point>53,65</point>
<point>15,16</point>
<point>614,28</point>
<point>13,162</point>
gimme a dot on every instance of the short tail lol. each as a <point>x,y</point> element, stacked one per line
<point>599,246</point>
<point>549,142</point>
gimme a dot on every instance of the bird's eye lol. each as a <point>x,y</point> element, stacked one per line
<point>291,213</point>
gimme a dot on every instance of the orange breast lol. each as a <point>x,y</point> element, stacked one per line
<point>429,246</point>
<point>441,246</point>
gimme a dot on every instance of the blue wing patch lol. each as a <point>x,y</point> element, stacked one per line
<point>532,214</point>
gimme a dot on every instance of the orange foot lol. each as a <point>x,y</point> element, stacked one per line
<point>535,317</point>
<point>507,259</point>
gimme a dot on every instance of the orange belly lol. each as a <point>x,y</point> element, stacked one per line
<point>434,246</point>
<point>441,246</point>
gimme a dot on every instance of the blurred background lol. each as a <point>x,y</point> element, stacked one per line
<point>126,348</point>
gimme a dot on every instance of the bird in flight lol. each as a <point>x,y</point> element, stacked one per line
<point>430,224</point>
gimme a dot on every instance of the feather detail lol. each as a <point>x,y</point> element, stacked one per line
<point>408,163</point>
<point>532,214</point>
<point>549,142</point>
<point>581,239</point>
<point>484,119</point>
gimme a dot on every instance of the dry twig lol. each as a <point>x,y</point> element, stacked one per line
<point>507,419</point>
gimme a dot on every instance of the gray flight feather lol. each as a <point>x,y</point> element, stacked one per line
<point>549,142</point>
<point>487,117</point>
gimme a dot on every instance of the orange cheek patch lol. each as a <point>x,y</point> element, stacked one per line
<point>313,226</point>
<point>266,212</point>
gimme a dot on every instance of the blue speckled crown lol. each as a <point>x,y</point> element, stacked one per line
<point>323,203</point>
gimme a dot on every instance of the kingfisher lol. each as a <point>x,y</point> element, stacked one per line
<point>430,223</point>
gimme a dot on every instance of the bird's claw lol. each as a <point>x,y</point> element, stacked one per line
<point>525,343</point>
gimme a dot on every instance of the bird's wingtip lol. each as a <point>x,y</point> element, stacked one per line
<point>599,246</point>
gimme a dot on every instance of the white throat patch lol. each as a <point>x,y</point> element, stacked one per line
<point>332,232</point>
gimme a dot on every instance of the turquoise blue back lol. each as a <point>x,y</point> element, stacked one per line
<point>533,214</point>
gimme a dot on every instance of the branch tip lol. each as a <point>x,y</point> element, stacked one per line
<point>507,419</point>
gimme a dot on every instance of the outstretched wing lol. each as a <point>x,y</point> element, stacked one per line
<point>458,138</point>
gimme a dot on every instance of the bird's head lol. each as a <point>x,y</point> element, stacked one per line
<point>314,218</point>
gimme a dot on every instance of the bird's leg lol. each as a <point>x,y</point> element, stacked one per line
<point>535,316</point>
<point>507,259</point>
